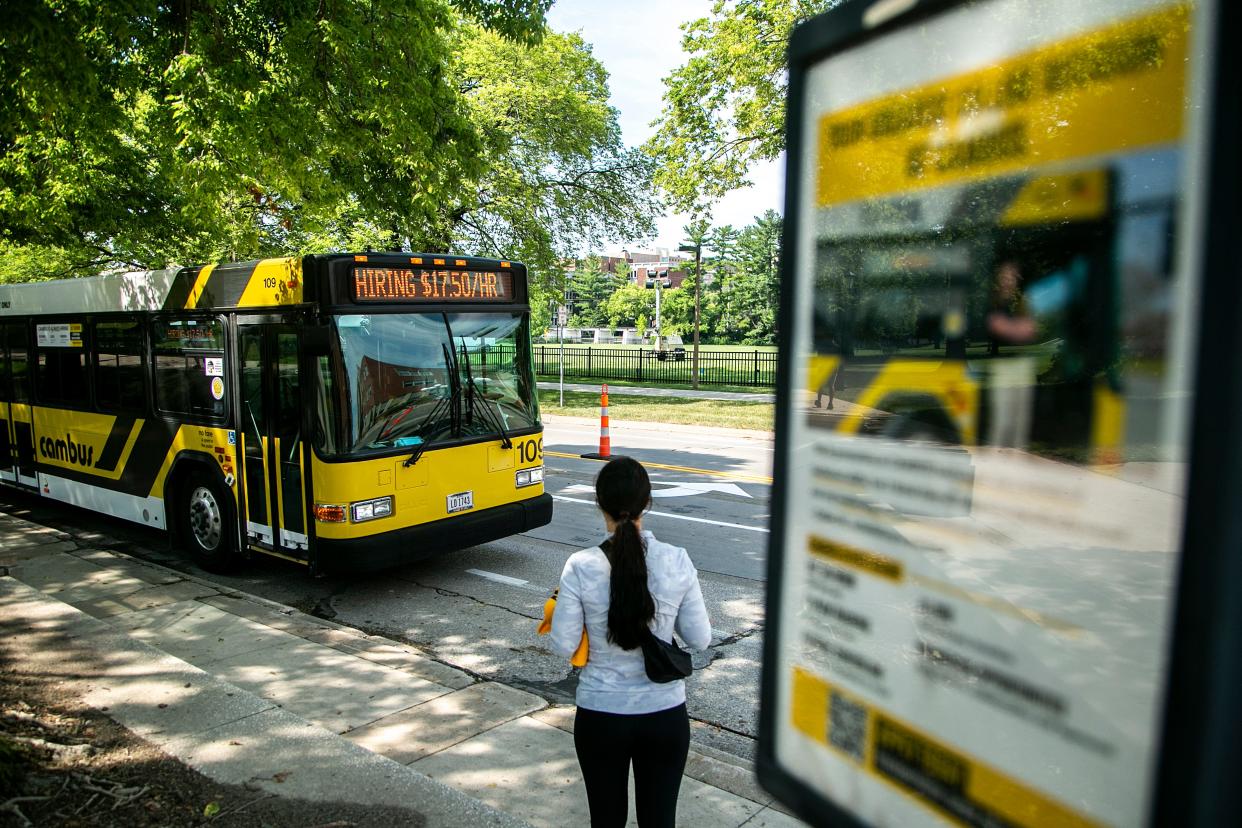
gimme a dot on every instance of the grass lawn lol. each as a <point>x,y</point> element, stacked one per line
<point>687,344</point>
<point>622,407</point>
<point>622,384</point>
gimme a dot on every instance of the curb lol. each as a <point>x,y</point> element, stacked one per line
<point>713,767</point>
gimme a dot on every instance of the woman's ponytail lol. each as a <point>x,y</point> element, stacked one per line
<point>623,492</point>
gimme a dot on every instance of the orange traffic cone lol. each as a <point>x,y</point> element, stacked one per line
<point>605,443</point>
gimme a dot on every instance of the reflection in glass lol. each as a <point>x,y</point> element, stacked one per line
<point>400,380</point>
<point>1026,293</point>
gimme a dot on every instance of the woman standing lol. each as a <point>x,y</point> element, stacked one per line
<point>629,584</point>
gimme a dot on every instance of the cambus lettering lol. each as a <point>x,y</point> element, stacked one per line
<point>67,450</point>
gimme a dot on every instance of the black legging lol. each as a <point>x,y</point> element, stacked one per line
<point>656,742</point>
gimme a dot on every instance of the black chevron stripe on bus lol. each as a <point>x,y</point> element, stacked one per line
<point>110,455</point>
<point>226,284</point>
<point>145,461</point>
<point>179,291</point>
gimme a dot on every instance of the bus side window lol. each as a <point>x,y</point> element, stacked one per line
<point>60,376</point>
<point>189,367</point>
<point>19,354</point>
<point>5,392</point>
<point>120,384</point>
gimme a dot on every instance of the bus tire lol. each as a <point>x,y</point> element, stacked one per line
<point>206,524</point>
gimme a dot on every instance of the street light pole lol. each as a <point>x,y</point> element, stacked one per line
<point>698,280</point>
<point>658,286</point>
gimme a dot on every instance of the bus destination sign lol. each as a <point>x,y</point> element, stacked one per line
<point>421,284</point>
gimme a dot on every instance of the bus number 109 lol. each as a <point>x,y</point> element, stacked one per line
<point>530,450</point>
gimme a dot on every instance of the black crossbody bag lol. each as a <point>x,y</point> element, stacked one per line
<point>663,660</point>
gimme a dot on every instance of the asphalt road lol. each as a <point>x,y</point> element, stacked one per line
<point>476,609</point>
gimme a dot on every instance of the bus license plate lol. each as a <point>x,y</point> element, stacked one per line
<point>462,502</point>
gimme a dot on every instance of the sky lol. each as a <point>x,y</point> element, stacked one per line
<point>639,43</point>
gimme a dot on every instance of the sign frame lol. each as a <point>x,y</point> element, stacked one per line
<point>1198,758</point>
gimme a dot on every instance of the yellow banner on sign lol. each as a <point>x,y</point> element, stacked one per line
<point>1117,88</point>
<point>1079,196</point>
<point>963,789</point>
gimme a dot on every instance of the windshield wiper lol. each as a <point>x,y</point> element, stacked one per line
<point>493,418</point>
<point>429,420</point>
<point>454,385</point>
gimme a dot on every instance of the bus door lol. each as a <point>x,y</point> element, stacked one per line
<point>17,456</point>
<point>271,433</point>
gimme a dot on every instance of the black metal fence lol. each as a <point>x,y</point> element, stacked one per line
<point>753,368</point>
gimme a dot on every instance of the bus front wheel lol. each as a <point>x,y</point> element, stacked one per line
<point>206,524</point>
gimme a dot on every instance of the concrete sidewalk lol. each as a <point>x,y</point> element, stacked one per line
<point>251,692</point>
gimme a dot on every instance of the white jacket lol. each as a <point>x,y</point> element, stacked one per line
<point>614,680</point>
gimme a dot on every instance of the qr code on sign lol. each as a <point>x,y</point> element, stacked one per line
<point>847,726</point>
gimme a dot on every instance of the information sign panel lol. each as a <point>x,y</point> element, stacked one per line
<point>982,448</point>
<point>59,335</point>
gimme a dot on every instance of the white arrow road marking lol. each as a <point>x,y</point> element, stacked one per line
<point>505,579</point>
<point>677,489</point>
<point>687,489</point>
<point>675,517</point>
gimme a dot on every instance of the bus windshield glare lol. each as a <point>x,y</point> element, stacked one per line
<point>400,380</point>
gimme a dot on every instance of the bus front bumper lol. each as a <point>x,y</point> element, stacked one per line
<point>413,543</point>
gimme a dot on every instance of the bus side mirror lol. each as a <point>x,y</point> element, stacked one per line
<point>317,339</point>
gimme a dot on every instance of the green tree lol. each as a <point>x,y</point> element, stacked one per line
<point>755,286</point>
<point>591,287</point>
<point>677,310</point>
<point>136,134</point>
<point>521,20</point>
<point>724,109</point>
<point>627,304</point>
<point>556,176</point>
<point>718,270</point>
<point>696,232</point>
<point>139,132</point>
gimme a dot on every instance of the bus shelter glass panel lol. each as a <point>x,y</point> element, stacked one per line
<point>986,440</point>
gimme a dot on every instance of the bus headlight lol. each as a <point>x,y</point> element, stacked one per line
<point>365,510</point>
<point>529,477</point>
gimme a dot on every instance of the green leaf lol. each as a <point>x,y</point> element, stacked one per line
<point>211,810</point>
<point>725,107</point>
<point>138,134</point>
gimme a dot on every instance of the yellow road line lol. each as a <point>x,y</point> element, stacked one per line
<point>745,478</point>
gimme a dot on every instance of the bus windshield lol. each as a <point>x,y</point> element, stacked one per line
<point>401,380</point>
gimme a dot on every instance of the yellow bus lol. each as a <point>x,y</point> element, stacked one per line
<point>343,411</point>
<point>988,315</point>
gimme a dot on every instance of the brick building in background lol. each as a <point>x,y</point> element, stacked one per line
<point>657,265</point>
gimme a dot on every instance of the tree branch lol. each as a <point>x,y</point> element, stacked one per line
<point>727,146</point>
